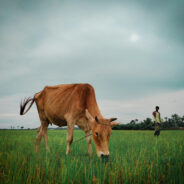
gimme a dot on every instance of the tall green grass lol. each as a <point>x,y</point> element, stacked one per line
<point>135,157</point>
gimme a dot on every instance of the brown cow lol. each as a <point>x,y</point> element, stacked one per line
<point>70,105</point>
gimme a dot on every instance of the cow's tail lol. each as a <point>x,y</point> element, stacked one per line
<point>24,103</point>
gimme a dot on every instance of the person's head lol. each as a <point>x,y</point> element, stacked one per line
<point>157,108</point>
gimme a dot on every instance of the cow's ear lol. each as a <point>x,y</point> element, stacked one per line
<point>88,115</point>
<point>113,119</point>
<point>114,123</point>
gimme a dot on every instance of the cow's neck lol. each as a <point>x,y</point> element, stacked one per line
<point>95,112</point>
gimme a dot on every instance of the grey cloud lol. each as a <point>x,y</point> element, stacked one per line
<point>63,42</point>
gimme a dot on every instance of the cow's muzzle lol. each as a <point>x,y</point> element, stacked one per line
<point>104,156</point>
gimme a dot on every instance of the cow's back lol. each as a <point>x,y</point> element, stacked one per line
<point>57,101</point>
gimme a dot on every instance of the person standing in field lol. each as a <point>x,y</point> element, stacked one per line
<point>157,121</point>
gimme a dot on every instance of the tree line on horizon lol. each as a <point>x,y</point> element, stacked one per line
<point>174,122</point>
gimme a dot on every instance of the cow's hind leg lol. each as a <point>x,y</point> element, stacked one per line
<point>38,138</point>
<point>69,136</point>
<point>45,135</point>
<point>42,131</point>
<point>88,140</point>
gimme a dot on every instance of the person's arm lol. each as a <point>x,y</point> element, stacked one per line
<point>160,118</point>
<point>154,115</point>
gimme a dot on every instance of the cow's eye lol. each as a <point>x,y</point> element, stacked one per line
<point>96,133</point>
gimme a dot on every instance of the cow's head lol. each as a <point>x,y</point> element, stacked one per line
<point>101,131</point>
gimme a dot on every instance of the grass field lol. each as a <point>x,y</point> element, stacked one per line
<point>135,157</point>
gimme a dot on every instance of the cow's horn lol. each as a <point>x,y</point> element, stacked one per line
<point>113,119</point>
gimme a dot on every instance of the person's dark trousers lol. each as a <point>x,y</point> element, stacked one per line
<point>157,129</point>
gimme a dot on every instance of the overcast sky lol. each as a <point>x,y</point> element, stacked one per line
<point>131,51</point>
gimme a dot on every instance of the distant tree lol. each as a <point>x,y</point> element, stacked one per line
<point>148,124</point>
<point>175,119</point>
<point>21,127</point>
<point>182,118</point>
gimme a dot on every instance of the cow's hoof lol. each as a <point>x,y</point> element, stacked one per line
<point>67,153</point>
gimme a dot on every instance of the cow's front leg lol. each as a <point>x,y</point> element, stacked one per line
<point>88,140</point>
<point>69,137</point>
